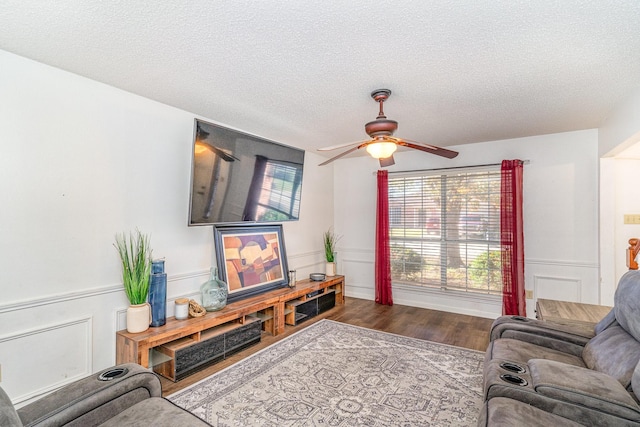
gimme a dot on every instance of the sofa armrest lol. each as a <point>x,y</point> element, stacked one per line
<point>92,400</point>
<point>566,338</point>
<point>583,387</point>
<point>8,415</point>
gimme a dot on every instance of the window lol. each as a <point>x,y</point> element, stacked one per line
<point>445,231</point>
<point>279,192</point>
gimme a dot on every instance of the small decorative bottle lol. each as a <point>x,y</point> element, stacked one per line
<point>214,292</point>
<point>292,278</point>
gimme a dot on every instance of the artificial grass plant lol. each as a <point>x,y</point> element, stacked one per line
<point>135,255</point>
<point>330,240</point>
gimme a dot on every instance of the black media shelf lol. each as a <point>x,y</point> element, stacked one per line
<point>306,309</point>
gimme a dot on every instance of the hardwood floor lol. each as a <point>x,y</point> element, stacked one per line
<point>438,326</point>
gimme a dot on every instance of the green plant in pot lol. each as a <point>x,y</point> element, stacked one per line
<point>330,241</point>
<point>135,256</point>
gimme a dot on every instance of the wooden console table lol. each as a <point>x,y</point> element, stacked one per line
<point>268,306</point>
<point>570,313</point>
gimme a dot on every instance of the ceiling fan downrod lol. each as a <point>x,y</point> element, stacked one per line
<point>381,95</point>
<point>381,126</point>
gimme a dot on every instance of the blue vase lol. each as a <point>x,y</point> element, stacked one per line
<point>158,293</point>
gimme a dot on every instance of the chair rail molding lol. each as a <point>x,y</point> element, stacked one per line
<point>91,293</point>
<point>60,298</point>
<point>561,263</point>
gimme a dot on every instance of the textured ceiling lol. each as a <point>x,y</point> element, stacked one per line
<point>301,72</point>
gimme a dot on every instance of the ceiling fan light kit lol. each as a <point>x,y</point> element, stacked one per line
<point>383,144</point>
<point>381,150</point>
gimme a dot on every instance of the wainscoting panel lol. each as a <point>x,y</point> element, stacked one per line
<point>52,361</point>
<point>48,342</point>
<point>560,288</point>
<point>561,280</point>
<point>357,265</point>
<point>121,317</point>
<point>306,263</point>
<point>551,279</point>
<point>471,304</point>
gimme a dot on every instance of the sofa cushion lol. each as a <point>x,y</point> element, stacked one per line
<point>614,352</point>
<point>8,415</point>
<point>520,351</point>
<point>157,412</point>
<point>627,303</point>
<point>89,401</point>
<point>583,387</point>
<point>505,412</point>
<point>606,322</point>
<point>635,382</point>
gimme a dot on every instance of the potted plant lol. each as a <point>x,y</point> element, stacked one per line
<point>330,241</point>
<point>135,255</point>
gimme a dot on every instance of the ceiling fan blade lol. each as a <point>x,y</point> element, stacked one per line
<point>438,151</point>
<point>224,156</point>
<point>335,147</point>
<point>342,154</point>
<point>388,161</point>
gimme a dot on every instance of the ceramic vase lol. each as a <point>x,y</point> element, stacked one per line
<point>138,318</point>
<point>330,269</point>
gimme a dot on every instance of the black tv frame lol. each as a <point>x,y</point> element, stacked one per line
<point>228,170</point>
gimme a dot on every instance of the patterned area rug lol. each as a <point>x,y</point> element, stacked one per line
<point>334,374</point>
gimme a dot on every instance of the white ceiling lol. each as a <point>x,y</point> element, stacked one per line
<point>301,72</point>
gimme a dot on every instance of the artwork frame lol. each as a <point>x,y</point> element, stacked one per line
<point>251,259</point>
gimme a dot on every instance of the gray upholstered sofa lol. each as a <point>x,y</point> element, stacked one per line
<point>126,395</point>
<point>540,373</point>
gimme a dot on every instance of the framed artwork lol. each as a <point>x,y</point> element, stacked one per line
<point>251,259</point>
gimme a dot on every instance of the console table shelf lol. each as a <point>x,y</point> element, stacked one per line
<point>269,307</point>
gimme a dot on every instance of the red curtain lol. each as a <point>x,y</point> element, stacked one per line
<point>383,251</point>
<point>512,239</point>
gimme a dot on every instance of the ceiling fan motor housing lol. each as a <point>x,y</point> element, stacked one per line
<point>381,127</point>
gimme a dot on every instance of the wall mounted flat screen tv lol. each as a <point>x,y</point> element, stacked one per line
<point>237,177</point>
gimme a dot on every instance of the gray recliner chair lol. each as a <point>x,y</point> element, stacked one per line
<point>125,395</point>
<point>589,378</point>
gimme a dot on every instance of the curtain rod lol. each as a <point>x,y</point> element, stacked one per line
<point>524,162</point>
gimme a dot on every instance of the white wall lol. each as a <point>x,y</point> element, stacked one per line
<point>560,215</point>
<point>627,197</point>
<point>619,191</point>
<point>79,162</point>
<point>619,195</point>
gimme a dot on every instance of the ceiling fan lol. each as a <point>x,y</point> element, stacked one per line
<point>383,144</point>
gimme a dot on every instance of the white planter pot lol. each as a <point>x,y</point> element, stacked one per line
<point>138,318</point>
<point>330,269</point>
